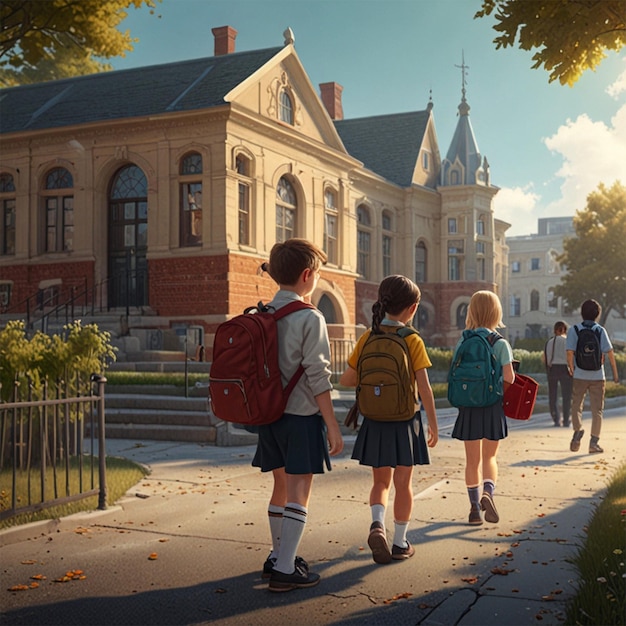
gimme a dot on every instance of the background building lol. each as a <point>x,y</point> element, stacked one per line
<point>163,188</point>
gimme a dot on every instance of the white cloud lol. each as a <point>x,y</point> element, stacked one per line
<point>593,153</point>
<point>619,86</point>
<point>517,206</point>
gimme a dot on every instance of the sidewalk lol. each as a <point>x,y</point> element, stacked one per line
<point>202,516</point>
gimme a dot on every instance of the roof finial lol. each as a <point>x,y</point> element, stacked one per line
<point>463,69</point>
<point>289,36</point>
<point>430,105</point>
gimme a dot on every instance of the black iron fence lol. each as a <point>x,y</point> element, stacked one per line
<point>45,459</point>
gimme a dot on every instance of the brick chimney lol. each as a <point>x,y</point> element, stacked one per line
<point>224,40</point>
<point>331,97</point>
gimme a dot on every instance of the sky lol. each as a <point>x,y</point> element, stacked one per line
<point>548,145</point>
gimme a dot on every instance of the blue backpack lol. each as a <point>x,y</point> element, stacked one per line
<point>475,376</point>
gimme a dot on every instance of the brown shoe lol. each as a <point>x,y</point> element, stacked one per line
<point>377,541</point>
<point>574,445</point>
<point>594,448</point>
<point>400,554</point>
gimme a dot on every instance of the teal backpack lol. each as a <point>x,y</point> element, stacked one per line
<point>475,376</point>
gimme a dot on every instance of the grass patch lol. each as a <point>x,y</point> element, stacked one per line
<point>601,596</point>
<point>122,474</point>
<point>155,378</point>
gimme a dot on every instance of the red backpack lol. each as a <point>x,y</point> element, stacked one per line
<point>245,385</point>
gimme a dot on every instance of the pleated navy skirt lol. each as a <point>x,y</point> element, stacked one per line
<point>389,444</point>
<point>487,422</point>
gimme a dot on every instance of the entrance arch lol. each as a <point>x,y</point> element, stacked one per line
<point>128,238</point>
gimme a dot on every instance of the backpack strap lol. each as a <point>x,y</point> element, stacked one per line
<point>406,331</point>
<point>493,337</point>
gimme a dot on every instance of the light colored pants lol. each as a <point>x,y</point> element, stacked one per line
<point>596,399</point>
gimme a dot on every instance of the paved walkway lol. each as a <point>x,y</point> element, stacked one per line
<point>186,545</point>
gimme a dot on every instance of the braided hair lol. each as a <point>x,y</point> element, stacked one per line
<point>395,293</point>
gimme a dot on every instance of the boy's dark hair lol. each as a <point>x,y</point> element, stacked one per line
<point>290,258</point>
<point>395,293</point>
<point>590,310</point>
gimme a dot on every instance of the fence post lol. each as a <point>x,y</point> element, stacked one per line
<point>102,496</point>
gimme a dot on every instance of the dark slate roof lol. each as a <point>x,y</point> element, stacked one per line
<point>180,86</point>
<point>388,145</point>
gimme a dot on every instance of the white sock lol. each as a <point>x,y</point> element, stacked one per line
<point>275,515</point>
<point>378,513</point>
<point>294,521</point>
<point>399,534</point>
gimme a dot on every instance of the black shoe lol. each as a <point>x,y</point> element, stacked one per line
<point>574,445</point>
<point>377,541</point>
<point>475,516</point>
<point>299,579</point>
<point>268,566</point>
<point>594,448</point>
<point>488,506</point>
<point>400,554</point>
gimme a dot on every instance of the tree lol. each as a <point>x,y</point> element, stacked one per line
<point>571,35</point>
<point>595,258</point>
<point>61,38</point>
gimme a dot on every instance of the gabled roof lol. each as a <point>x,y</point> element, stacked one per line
<point>168,88</point>
<point>388,145</point>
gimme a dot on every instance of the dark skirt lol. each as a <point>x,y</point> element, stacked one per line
<point>487,422</point>
<point>389,444</point>
<point>296,442</point>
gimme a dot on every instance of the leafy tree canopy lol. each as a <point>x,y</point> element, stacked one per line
<point>571,35</point>
<point>595,258</point>
<point>51,39</point>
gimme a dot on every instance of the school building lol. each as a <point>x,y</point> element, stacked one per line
<point>162,189</point>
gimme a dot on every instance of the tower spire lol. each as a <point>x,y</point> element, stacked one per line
<point>463,69</point>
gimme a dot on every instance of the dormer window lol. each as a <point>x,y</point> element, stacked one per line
<point>425,160</point>
<point>286,107</point>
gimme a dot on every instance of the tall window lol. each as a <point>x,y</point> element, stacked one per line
<point>387,244</point>
<point>452,227</point>
<point>58,198</point>
<point>535,264</point>
<point>461,315</point>
<point>534,300</point>
<point>515,306</point>
<point>480,226</point>
<point>286,107</point>
<point>420,263</point>
<point>286,205</point>
<point>242,165</point>
<point>191,200</point>
<point>480,260</point>
<point>455,258</point>
<point>330,225</point>
<point>7,226</point>
<point>364,242</point>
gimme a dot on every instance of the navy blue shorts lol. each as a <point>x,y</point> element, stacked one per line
<point>296,442</point>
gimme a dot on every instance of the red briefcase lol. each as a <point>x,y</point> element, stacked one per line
<point>520,396</point>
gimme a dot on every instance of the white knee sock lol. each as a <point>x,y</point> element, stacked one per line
<point>294,521</point>
<point>399,534</point>
<point>378,513</point>
<point>275,515</point>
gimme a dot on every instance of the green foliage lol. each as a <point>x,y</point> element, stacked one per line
<point>601,585</point>
<point>532,345</point>
<point>44,40</point>
<point>83,351</point>
<point>154,378</point>
<point>596,257</point>
<point>570,35</point>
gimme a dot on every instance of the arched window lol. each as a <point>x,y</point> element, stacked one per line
<point>364,241</point>
<point>461,314</point>
<point>454,177</point>
<point>58,200</point>
<point>286,107</point>
<point>242,165</point>
<point>534,300</point>
<point>190,185</point>
<point>420,263</point>
<point>387,243</point>
<point>327,309</point>
<point>331,220</point>
<point>286,206</point>
<point>7,208</point>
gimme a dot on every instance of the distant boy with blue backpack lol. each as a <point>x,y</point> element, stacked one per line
<point>476,388</point>
<point>587,344</point>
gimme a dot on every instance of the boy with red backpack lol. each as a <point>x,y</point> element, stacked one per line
<point>298,444</point>
<point>587,344</point>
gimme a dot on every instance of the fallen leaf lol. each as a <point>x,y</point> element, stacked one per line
<point>153,557</point>
<point>470,579</point>
<point>19,588</point>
